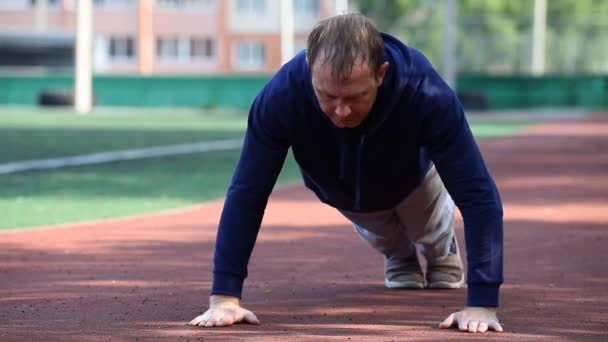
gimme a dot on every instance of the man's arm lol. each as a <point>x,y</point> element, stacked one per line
<point>255,175</point>
<point>452,148</point>
<point>454,152</point>
<point>262,158</point>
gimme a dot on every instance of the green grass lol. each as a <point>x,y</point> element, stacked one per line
<point>118,189</point>
<point>37,134</point>
<point>490,129</point>
<point>125,188</point>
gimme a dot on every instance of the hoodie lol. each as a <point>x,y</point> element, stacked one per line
<point>416,121</point>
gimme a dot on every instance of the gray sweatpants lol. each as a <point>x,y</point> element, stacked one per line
<point>425,217</point>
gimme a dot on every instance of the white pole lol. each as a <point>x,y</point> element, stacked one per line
<point>538,37</point>
<point>83,86</point>
<point>449,43</point>
<point>341,6</point>
<point>40,15</point>
<point>287,30</point>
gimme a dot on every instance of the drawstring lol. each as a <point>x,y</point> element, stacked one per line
<point>359,172</point>
<point>343,157</point>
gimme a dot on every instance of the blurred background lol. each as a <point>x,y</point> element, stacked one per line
<point>183,73</point>
<point>227,48</point>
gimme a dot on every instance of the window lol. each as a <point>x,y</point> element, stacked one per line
<point>167,47</point>
<point>309,8</point>
<point>203,4</point>
<point>121,48</point>
<point>251,7</point>
<point>250,54</point>
<point>15,4</point>
<point>201,48</point>
<point>114,3</point>
<point>49,2</point>
<point>184,49</point>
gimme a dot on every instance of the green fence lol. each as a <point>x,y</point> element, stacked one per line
<point>509,92</point>
<point>521,92</point>
<point>155,91</point>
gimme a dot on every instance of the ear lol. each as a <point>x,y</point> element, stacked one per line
<point>382,73</point>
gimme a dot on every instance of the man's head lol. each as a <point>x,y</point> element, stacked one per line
<point>346,58</point>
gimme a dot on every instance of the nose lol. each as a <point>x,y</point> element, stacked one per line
<point>342,110</point>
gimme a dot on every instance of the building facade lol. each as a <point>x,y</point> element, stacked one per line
<point>174,36</point>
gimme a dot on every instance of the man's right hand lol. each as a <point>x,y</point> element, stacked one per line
<point>224,311</point>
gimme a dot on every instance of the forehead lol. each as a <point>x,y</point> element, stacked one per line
<point>324,79</point>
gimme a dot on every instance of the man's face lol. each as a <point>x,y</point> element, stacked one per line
<point>347,102</point>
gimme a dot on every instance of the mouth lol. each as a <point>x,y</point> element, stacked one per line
<point>346,122</point>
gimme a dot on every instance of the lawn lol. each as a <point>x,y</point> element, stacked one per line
<point>132,187</point>
<point>35,133</point>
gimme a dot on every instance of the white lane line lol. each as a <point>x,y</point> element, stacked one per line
<point>105,157</point>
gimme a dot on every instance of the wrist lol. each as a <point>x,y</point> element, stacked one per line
<point>218,299</point>
<point>489,308</point>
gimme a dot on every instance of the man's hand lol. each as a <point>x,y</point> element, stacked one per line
<point>224,311</point>
<point>473,319</point>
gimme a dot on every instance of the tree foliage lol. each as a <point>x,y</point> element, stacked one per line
<point>495,36</point>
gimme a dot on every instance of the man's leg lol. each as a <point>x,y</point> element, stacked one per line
<point>428,217</point>
<point>384,233</point>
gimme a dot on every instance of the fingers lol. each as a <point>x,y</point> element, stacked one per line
<point>496,326</point>
<point>201,319</point>
<point>447,323</point>
<point>250,318</point>
<point>196,320</point>
<point>222,318</point>
<point>463,325</point>
<point>474,326</point>
<point>209,319</point>
<point>473,320</point>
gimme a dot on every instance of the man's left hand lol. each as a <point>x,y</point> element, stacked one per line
<point>473,319</point>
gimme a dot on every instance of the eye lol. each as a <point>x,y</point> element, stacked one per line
<point>356,97</point>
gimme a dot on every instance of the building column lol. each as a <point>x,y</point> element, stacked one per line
<point>67,14</point>
<point>222,44</point>
<point>145,39</point>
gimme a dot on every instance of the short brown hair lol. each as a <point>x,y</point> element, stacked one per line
<point>343,40</point>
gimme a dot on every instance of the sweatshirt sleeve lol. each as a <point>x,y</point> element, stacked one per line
<point>262,157</point>
<point>452,148</point>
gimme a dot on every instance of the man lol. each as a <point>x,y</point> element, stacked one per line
<point>372,126</point>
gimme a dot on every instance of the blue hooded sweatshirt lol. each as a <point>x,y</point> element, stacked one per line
<point>416,120</point>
